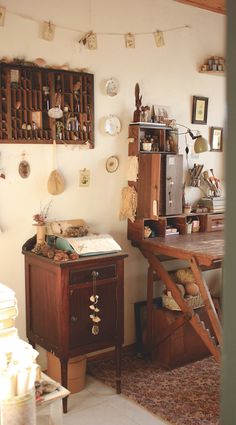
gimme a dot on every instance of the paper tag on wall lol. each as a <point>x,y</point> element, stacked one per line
<point>159,38</point>
<point>129,41</point>
<point>48,31</point>
<point>84,177</point>
<point>92,41</point>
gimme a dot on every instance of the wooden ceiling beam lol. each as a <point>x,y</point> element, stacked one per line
<point>217,6</point>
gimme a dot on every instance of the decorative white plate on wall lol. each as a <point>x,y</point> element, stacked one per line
<point>112,125</point>
<point>112,164</point>
<point>112,87</point>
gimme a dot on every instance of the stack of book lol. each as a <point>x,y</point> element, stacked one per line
<point>171,231</point>
<point>214,204</point>
<point>8,313</point>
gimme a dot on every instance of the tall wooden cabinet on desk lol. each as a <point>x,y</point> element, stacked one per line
<point>57,306</point>
<point>159,184</point>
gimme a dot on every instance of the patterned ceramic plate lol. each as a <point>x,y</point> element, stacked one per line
<point>112,125</point>
<point>112,87</point>
<point>112,164</point>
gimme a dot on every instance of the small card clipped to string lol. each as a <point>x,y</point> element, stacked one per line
<point>159,38</point>
<point>129,41</point>
<point>92,41</point>
<point>48,31</point>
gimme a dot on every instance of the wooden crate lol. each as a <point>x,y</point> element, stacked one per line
<point>183,346</point>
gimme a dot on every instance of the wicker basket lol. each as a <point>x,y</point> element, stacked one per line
<point>193,302</point>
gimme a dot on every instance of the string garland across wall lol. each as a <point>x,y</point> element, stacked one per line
<point>90,38</point>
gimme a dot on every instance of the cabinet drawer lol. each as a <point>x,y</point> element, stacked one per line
<point>104,272</point>
<point>214,222</point>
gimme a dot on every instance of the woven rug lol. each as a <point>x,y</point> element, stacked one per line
<point>188,395</point>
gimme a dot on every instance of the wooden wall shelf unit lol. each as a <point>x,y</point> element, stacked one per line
<point>221,73</point>
<point>163,138</point>
<point>28,92</point>
<point>58,312</point>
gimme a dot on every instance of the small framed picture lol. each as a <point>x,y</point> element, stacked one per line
<point>199,111</point>
<point>84,177</point>
<point>216,139</point>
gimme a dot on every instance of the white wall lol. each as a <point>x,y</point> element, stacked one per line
<point>167,75</point>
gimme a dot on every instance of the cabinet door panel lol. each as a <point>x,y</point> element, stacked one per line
<point>43,298</point>
<point>173,184</point>
<point>149,185</point>
<point>80,322</point>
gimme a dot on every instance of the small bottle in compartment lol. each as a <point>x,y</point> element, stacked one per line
<point>46,98</point>
<point>195,225</point>
<point>58,83</point>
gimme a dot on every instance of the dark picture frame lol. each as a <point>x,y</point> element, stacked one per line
<point>216,139</point>
<point>200,109</point>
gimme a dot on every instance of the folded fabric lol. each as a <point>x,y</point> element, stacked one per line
<point>128,203</point>
<point>132,168</point>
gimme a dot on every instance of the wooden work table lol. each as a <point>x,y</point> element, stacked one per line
<point>201,251</point>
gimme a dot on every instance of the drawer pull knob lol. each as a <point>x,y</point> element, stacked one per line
<point>95,274</point>
<point>74,319</point>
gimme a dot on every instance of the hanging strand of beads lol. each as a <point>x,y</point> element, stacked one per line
<point>94,306</point>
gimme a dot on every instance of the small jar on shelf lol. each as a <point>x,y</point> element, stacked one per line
<point>187,208</point>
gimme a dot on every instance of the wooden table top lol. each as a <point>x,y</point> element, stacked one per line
<point>206,247</point>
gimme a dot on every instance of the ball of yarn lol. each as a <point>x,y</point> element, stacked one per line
<point>185,276</point>
<point>181,288</point>
<point>192,289</point>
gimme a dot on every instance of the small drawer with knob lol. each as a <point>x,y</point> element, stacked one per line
<point>214,222</point>
<point>87,275</point>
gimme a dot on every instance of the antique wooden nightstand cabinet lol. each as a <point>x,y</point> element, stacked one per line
<point>58,306</point>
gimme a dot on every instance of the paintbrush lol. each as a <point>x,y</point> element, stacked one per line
<point>215,179</point>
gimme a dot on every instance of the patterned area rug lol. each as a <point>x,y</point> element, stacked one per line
<point>188,395</point>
